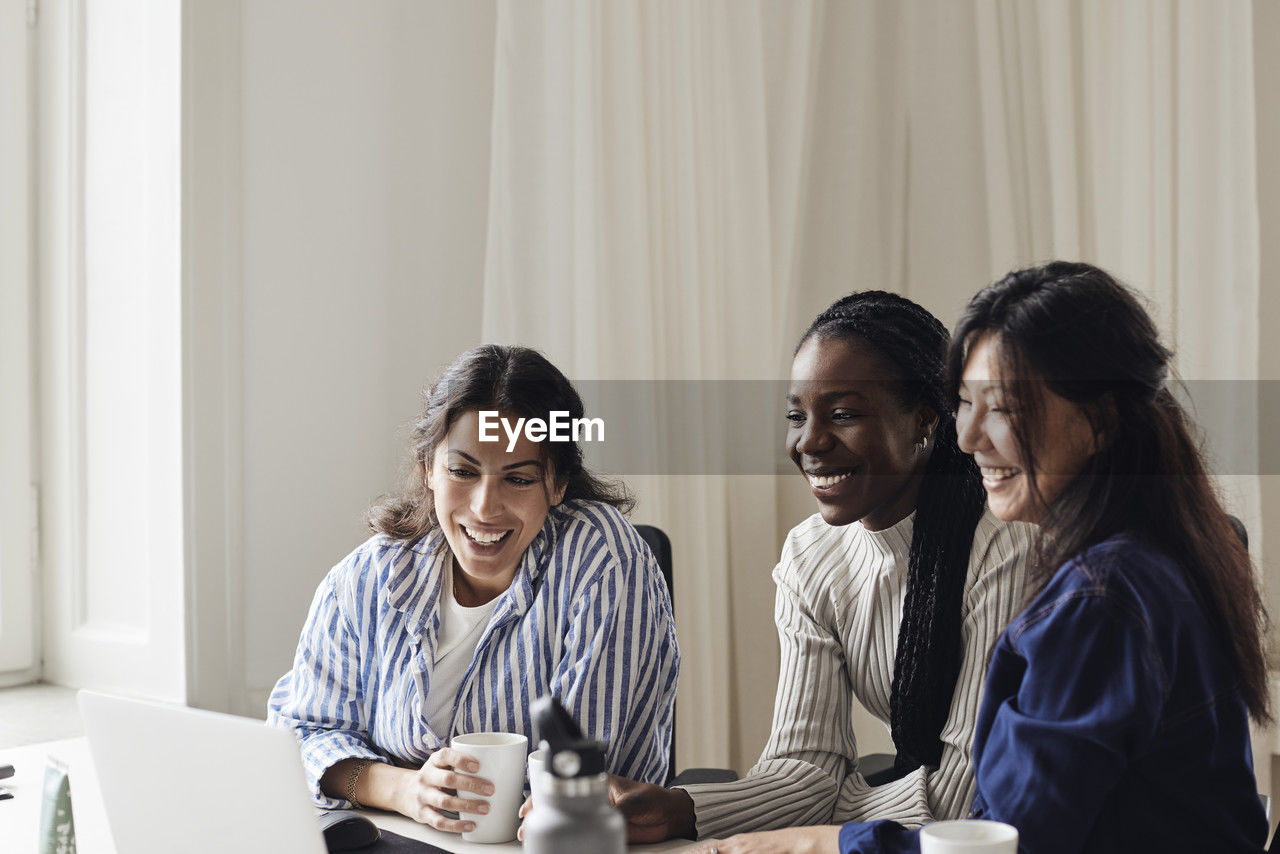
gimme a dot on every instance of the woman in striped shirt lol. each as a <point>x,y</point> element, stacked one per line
<point>892,594</point>
<point>505,571</point>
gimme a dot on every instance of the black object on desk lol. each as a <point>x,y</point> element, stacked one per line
<point>348,830</point>
<point>394,843</point>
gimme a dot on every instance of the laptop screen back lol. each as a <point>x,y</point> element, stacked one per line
<point>179,779</point>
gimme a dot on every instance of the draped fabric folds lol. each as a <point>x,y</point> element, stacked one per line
<point>677,188</point>
<point>642,205</point>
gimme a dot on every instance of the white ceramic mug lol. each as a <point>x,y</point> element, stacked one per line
<point>502,757</point>
<point>537,767</point>
<point>969,836</point>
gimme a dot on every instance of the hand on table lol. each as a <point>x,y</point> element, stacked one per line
<point>652,812</point>
<point>439,785</point>
<point>794,840</point>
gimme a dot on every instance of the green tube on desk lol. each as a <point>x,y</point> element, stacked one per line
<point>57,829</point>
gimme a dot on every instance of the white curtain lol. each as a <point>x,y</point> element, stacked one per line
<point>1123,134</point>
<point>678,187</point>
<point>998,133</point>
<point>1137,152</point>
<point>642,213</point>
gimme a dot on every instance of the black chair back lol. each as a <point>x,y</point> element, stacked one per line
<point>1240,529</point>
<point>660,544</point>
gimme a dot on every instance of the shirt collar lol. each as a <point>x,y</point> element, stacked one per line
<point>415,584</point>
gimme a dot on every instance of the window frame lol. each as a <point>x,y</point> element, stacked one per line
<point>19,591</point>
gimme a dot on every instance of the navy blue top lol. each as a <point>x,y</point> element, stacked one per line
<point>1111,722</point>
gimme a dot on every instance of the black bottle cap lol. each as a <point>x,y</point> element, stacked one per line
<point>570,754</point>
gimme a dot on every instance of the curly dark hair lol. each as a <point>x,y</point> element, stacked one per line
<point>912,344</point>
<point>1090,340</point>
<point>514,380</point>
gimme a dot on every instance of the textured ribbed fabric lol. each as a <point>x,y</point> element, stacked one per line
<point>839,604</point>
<point>587,618</point>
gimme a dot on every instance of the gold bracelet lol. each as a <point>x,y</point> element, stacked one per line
<point>352,778</point>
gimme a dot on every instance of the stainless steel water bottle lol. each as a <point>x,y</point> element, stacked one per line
<point>572,815</point>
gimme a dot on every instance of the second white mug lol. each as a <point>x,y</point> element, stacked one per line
<point>969,836</point>
<point>537,767</point>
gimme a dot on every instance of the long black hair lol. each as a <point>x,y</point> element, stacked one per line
<point>912,344</point>
<point>514,380</point>
<point>1091,342</point>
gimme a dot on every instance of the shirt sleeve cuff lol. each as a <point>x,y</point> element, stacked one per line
<point>778,793</point>
<point>904,800</point>
<point>713,810</point>
<point>321,751</point>
<point>878,837</point>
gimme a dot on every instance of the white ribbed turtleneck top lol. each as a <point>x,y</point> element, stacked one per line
<point>838,608</point>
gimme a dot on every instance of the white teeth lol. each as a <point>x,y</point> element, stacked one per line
<point>827,480</point>
<point>999,473</point>
<point>483,538</point>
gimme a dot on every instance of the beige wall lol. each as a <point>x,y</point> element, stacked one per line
<point>365,140</point>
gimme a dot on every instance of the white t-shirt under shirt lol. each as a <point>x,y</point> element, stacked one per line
<point>460,631</point>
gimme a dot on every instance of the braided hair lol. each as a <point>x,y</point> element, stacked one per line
<point>912,345</point>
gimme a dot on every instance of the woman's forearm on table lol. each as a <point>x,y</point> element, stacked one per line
<point>378,784</point>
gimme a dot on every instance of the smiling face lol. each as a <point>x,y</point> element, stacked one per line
<point>852,437</point>
<point>491,503</point>
<point>1062,440</point>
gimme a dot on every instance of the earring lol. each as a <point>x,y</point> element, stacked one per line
<point>922,445</point>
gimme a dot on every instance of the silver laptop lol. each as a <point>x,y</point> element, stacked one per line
<point>179,779</point>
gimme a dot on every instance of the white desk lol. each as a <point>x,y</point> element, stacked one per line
<point>20,816</point>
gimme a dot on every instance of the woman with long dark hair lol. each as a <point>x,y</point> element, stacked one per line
<point>1117,704</point>
<point>893,593</point>
<point>503,572</point>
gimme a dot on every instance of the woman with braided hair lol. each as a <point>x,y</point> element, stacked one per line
<point>893,593</point>
<point>1115,715</point>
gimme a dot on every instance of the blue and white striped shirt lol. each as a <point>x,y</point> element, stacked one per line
<point>587,618</point>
